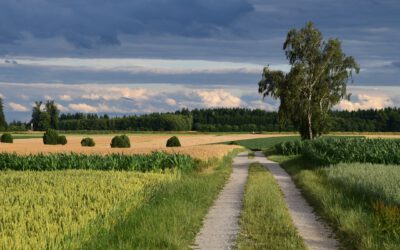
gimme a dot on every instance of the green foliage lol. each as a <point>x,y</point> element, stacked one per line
<point>368,181</point>
<point>36,111</point>
<point>290,147</point>
<point>148,122</point>
<point>263,143</point>
<point>173,142</point>
<point>333,150</point>
<point>62,140</point>
<point>3,123</point>
<point>6,138</point>
<point>17,126</point>
<point>158,225</point>
<point>230,120</point>
<point>120,141</point>
<point>327,151</point>
<point>44,121</point>
<point>316,82</point>
<point>54,112</point>
<point>360,201</point>
<point>88,142</point>
<point>50,137</point>
<point>265,220</point>
<point>155,161</point>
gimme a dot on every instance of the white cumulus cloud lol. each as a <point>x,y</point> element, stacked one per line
<point>364,101</point>
<point>65,97</point>
<point>17,107</point>
<point>219,98</point>
<point>115,93</point>
<point>170,101</point>
<point>83,107</point>
<point>62,108</point>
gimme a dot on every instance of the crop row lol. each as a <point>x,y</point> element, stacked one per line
<point>155,161</point>
<point>327,151</point>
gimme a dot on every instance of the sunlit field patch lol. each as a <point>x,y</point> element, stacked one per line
<point>56,209</point>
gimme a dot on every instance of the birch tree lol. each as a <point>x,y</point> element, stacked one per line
<point>315,83</point>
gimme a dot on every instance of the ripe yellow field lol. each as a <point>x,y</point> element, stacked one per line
<point>198,146</point>
<point>62,209</point>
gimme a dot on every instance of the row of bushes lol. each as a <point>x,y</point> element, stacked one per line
<point>51,137</point>
<point>328,151</point>
<point>155,161</point>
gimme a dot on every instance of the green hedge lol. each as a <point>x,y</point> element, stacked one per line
<point>6,138</point>
<point>155,161</point>
<point>51,137</point>
<point>88,142</point>
<point>120,141</point>
<point>173,142</point>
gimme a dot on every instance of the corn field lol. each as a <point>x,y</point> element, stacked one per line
<point>155,161</point>
<point>63,209</point>
<point>329,151</point>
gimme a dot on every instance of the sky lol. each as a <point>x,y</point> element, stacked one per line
<point>132,57</point>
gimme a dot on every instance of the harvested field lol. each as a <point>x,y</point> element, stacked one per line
<point>193,145</point>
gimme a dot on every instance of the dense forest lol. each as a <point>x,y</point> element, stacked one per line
<point>230,119</point>
<point>207,120</point>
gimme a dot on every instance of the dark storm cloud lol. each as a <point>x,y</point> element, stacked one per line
<point>32,74</point>
<point>396,64</point>
<point>87,23</point>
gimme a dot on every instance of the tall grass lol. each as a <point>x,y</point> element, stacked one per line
<point>155,161</point>
<point>368,181</point>
<point>359,200</point>
<point>265,220</point>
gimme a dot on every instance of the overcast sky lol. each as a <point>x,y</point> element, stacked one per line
<point>125,56</point>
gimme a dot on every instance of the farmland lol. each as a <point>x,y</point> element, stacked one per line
<point>65,208</point>
<point>359,198</point>
<point>127,197</point>
<point>192,144</point>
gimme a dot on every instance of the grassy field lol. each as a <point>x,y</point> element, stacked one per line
<point>263,143</point>
<point>172,218</point>
<point>64,209</point>
<point>265,220</point>
<point>360,201</point>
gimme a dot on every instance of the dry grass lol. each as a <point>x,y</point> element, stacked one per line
<point>194,145</point>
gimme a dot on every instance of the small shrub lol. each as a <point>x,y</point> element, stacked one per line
<point>50,137</point>
<point>173,142</point>
<point>120,141</point>
<point>88,142</point>
<point>7,138</point>
<point>62,140</point>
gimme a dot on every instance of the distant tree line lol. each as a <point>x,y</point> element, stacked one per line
<point>230,120</point>
<point>47,115</point>
<point>148,122</point>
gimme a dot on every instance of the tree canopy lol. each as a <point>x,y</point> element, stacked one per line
<point>47,118</point>
<point>3,123</point>
<point>315,83</point>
